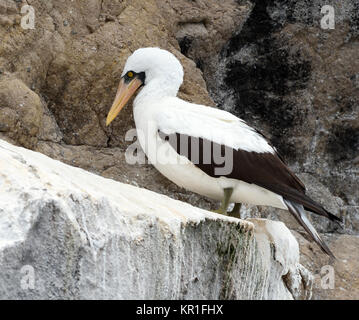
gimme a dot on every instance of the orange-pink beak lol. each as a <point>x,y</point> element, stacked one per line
<point>124,93</point>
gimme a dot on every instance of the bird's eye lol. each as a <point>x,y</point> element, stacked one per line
<point>130,74</point>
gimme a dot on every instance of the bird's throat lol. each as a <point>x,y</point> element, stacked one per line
<point>156,89</point>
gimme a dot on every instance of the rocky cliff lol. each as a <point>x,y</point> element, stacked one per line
<point>268,61</point>
<point>66,233</point>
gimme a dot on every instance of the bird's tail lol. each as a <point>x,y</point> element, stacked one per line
<point>297,210</point>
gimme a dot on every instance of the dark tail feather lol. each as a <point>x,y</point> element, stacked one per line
<point>296,196</point>
<point>297,210</point>
<point>332,217</point>
<point>318,209</point>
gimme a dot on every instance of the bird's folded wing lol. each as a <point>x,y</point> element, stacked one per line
<point>254,160</point>
<point>178,116</point>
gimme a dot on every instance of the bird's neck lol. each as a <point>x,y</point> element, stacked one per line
<point>157,89</point>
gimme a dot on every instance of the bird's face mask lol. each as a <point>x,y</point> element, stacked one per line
<point>128,86</point>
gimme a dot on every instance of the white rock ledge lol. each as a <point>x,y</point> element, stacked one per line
<point>87,237</point>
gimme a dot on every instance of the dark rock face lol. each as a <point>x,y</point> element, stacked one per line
<point>263,83</point>
<point>343,143</point>
<point>297,83</point>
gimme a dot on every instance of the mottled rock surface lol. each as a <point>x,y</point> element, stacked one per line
<point>297,83</point>
<point>333,279</point>
<point>72,62</point>
<point>68,234</point>
<point>267,61</point>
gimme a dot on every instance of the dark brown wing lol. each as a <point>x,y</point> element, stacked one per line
<point>266,170</point>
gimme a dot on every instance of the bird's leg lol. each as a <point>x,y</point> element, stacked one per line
<point>225,201</point>
<point>236,211</point>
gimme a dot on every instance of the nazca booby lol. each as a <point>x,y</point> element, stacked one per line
<point>204,149</point>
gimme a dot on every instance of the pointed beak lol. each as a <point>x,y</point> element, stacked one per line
<point>124,93</point>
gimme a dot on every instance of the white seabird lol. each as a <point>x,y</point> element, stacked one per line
<point>207,150</point>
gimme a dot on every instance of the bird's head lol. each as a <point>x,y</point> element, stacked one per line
<point>143,67</point>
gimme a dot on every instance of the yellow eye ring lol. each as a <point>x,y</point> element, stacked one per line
<point>130,74</point>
